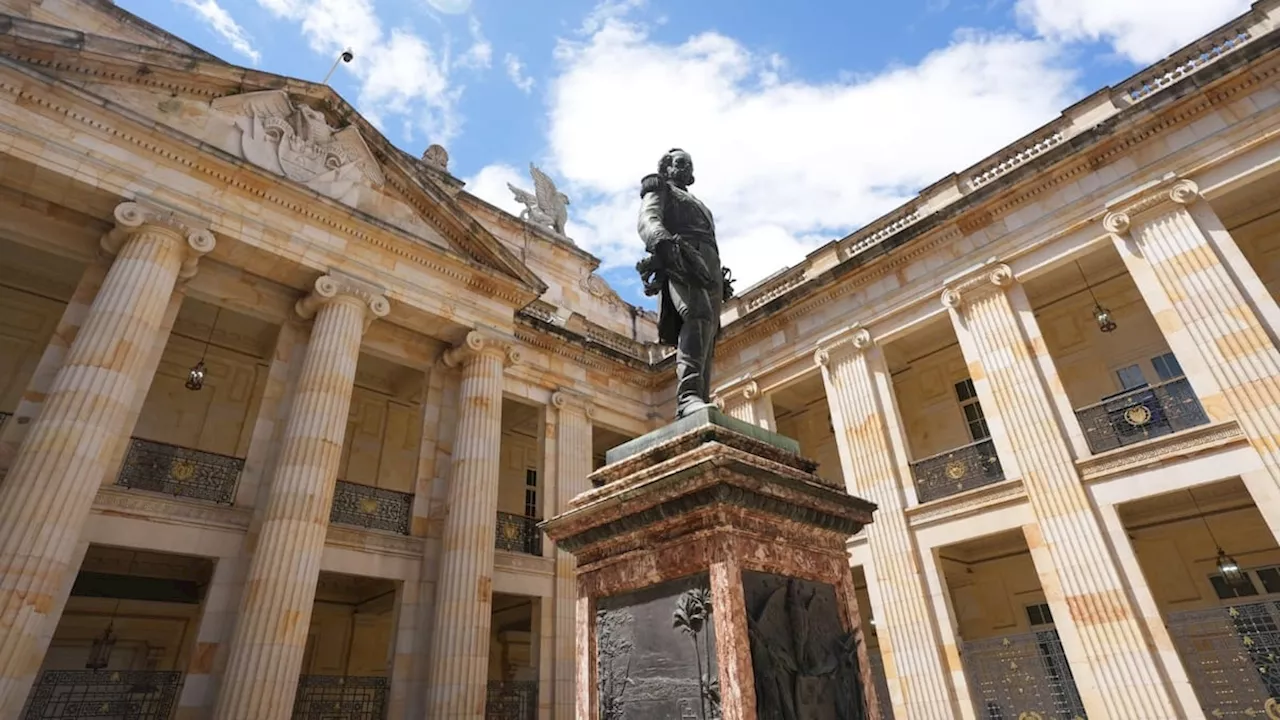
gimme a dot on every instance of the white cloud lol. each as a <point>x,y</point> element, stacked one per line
<point>606,11</point>
<point>480,55</point>
<point>515,71</point>
<point>451,7</point>
<point>490,185</point>
<point>401,75</point>
<point>784,164</point>
<point>1142,31</point>
<point>221,22</point>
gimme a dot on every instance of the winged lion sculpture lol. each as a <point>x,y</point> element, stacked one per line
<point>545,205</point>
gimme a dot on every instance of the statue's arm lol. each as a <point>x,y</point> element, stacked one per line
<point>650,224</point>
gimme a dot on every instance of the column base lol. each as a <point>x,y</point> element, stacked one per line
<point>716,565</point>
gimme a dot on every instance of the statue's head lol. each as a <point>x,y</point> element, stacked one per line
<point>677,166</point>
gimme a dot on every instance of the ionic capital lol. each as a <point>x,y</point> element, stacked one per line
<point>571,401</point>
<point>479,343</point>
<point>336,287</point>
<point>990,278</point>
<point>137,216</point>
<point>853,339</point>
<point>744,389</point>
<point>1170,189</point>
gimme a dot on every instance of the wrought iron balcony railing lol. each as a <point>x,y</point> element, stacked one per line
<point>1232,656</point>
<point>180,471</point>
<point>370,507</point>
<point>511,700</point>
<point>322,697</point>
<point>1141,414</point>
<point>133,694</point>
<point>517,533</point>
<point>1021,676</point>
<point>955,471</point>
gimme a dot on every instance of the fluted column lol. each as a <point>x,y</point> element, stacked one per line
<point>573,464</point>
<point>1117,672</point>
<point>279,591</point>
<point>858,393</point>
<point>464,594</point>
<point>744,401</point>
<point>1174,247</point>
<point>47,494</point>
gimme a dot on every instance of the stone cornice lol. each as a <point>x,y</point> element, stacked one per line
<point>992,277</point>
<point>137,216</point>
<point>338,286</point>
<point>1170,189</point>
<point>853,339</point>
<point>566,400</point>
<point>1178,446</point>
<point>482,342</point>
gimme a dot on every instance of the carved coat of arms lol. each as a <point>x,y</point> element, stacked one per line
<point>297,142</point>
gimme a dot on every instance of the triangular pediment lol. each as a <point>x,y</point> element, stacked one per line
<point>300,132</point>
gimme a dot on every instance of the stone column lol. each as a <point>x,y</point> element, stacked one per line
<point>49,490</point>
<point>859,393</point>
<point>459,653</point>
<point>573,464</point>
<point>279,591</point>
<point>1172,244</point>
<point>745,402</point>
<point>1117,672</point>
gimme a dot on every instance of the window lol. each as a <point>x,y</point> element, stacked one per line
<point>1270,578</point>
<point>1039,615</point>
<point>972,409</point>
<point>1131,377</point>
<point>531,493</point>
<point>1167,367</point>
<point>1225,591</point>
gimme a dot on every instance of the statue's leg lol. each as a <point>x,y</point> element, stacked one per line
<point>691,349</point>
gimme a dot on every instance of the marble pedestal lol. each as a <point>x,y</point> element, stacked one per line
<point>713,581</point>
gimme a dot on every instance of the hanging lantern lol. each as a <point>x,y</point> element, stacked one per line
<point>1103,317</point>
<point>1231,572</point>
<point>195,376</point>
<point>100,652</point>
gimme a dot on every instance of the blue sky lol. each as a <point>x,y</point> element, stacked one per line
<point>806,119</point>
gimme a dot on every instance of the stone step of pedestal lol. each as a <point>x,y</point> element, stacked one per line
<point>708,416</point>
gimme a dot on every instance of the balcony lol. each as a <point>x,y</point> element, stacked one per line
<point>181,472</point>
<point>1232,656</point>
<point>322,697</point>
<point>133,694</point>
<point>1141,414</point>
<point>373,508</point>
<point>1021,676</point>
<point>511,701</point>
<point>519,534</point>
<point>956,471</point>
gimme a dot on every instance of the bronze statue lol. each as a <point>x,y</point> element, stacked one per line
<point>683,266</point>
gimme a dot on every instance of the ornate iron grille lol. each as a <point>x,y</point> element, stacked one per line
<point>336,697</point>
<point>371,507</point>
<point>1022,676</point>
<point>180,471</point>
<point>104,695</point>
<point>955,471</point>
<point>1232,656</point>
<point>1141,414</point>
<point>517,533</point>
<point>876,661</point>
<point>511,701</point>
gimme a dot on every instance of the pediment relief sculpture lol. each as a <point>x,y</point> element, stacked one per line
<point>297,142</point>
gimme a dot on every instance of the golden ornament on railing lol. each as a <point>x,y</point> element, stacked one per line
<point>182,470</point>
<point>1138,415</point>
<point>368,506</point>
<point>955,470</point>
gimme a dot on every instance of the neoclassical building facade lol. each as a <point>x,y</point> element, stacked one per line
<point>281,405</point>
